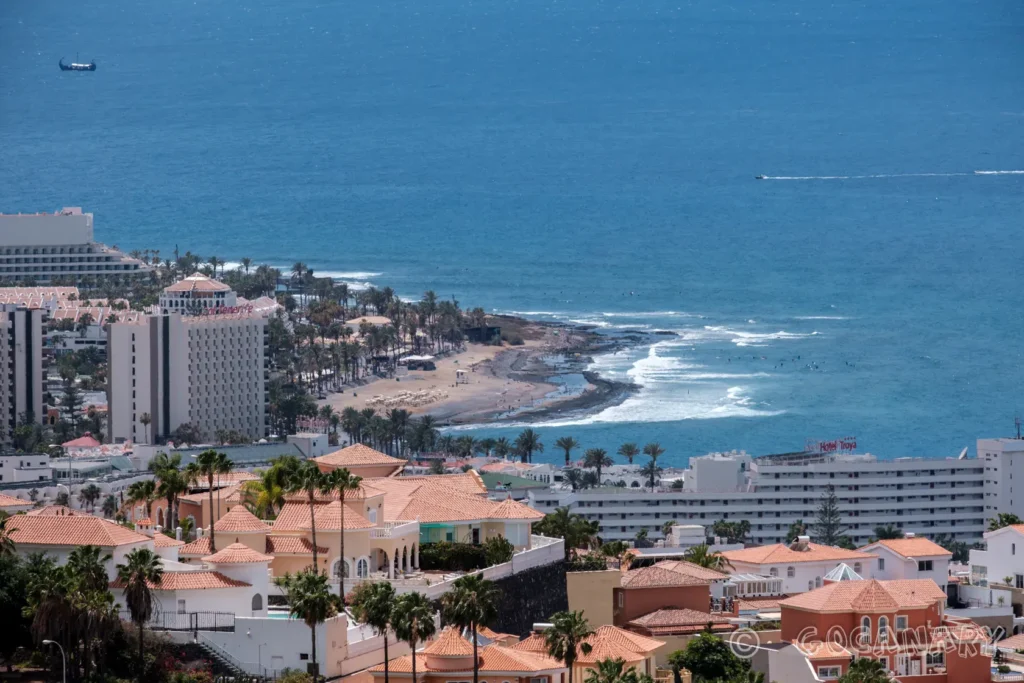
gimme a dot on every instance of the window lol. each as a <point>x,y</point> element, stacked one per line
<point>935,658</point>
<point>362,568</point>
<point>865,630</point>
<point>881,564</point>
<point>1013,548</point>
<point>828,672</point>
<point>773,572</point>
<point>883,630</point>
<point>790,572</point>
<point>257,602</point>
<point>181,606</point>
<point>621,599</point>
<point>924,565</point>
<point>857,567</point>
<point>539,679</point>
<point>817,582</point>
<point>901,622</point>
<point>304,656</point>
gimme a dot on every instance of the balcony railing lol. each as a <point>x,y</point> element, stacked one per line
<point>395,529</point>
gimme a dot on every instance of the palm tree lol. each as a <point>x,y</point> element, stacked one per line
<point>110,506</point>
<point>575,529</point>
<point>703,556</point>
<point>614,671</point>
<point>629,451</point>
<point>597,458</point>
<point>173,482</point>
<point>246,263</point>
<point>573,477</point>
<point>88,565</point>
<point>142,492</point>
<point>566,638</point>
<point>651,471</point>
<point>309,598</point>
<point>6,542</point>
<point>341,481</point>
<point>567,444</point>
<point>471,603</point>
<point>373,604</point>
<point>527,443</point>
<point>89,494</point>
<point>308,479</point>
<point>888,532</point>
<point>140,573</point>
<point>413,621</point>
<point>146,419</point>
<point>265,495</point>
<point>654,450</point>
<point>501,448</point>
<point>865,670</point>
<point>209,464</point>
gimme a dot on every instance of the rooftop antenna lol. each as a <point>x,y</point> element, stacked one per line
<point>963,454</point>
<point>1016,421</point>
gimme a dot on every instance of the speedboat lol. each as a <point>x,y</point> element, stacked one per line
<point>760,177</point>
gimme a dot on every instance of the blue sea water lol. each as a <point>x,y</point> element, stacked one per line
<point>586,160</point>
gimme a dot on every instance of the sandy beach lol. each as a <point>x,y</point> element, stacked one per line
<point>500,382</point>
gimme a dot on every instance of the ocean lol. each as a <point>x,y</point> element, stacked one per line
<point>587,161</point>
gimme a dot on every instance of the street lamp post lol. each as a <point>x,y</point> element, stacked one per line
<point>63,659</point>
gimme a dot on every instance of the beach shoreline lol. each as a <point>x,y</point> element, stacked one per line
<point>543,377</point>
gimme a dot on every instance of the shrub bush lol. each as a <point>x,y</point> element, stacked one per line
<point>446,556</point>
<point>498,550</point>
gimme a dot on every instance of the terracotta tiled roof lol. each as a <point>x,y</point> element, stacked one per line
<point>502,466</point>
<point>198,283</point>
<point>783,554</point>
<point>1012,643</point>
<point>145,521</point>
<point>823,650</point>
<point>666,621</point>
<point>607,642</point>
<point>494,659</point>
<point>296,517</point>
<point>223,495</point>
<point>237,553</point>
<point>868,596</point>
<point>357,455</point>
<point>197,548</point>
<point>467,482</point>
<point>291,545</point>
<point>491,634</point>
<point>911,548</point>
<point>532,643</point>
<point>449,643</point>
<point>190,581</point>
<point>670,573</point>
<point>50,510</point>
<point>240,520</point>
<point>11,501</point>
<point>86,441</point>
<point>511,509</point>
<point>165,541</point>
<point>72,530</point>
<point>759,604</point>
<point>627,639</point>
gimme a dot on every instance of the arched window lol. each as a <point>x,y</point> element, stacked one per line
<point>773,572</point>
<point>865,630</point>
<point>362,568</point>
<point>883,630</point>
<point>790,572</point>
<point>338,567</point>
<point>257,602</point>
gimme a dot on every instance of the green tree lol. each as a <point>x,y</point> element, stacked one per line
<point>342,481</point>
<point>373,604</point>
<point>888,532</point>
<point>629,451</point>
<point>7,528</point>
<point>309,598</point>
<point>598,459</point>
<point>174,482</point>
<point>566,638</point>
<point>703,556</point>
<point>307,479</point>
<point>796,530</point>
<point>141,492</point>
<point>615,671</point>
<point>210,464</point>
<point>651,472</point>
<point>577,531</point>
<point>573,477</point>
<point>412,619</point>
<point>140,573</point>
<point>828,526</point>
<point>666,528</point>
<point>88,495</point>
<point>498,549</point>
<point>1003,519</point>
<point>708,658</point>
<point>567,444</point>
<point>471,603</point>
<point>527,443</point>
<point>865,670</point>
<point>110,506</point>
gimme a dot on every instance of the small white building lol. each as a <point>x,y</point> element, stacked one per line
<point>195,294</point>
<point>802,565</point>
<point>1002,559</point>
<point>56,535</point>
<point>911,558</point>
<point>28,468</point>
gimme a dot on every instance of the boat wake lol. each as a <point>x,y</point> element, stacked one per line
<point>888,175</point>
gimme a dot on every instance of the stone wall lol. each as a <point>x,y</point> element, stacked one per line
<point>530,596</point>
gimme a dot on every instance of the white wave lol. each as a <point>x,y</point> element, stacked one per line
<point>752,322</point>
<point>888,175</point>
<point>649,314</point>
<point>999,173</point>
<point>697,376</point>
<point>346,275</point>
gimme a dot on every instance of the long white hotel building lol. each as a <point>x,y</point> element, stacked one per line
<point>927,496</point>
<point>46,246</point>
<point>207,369</point>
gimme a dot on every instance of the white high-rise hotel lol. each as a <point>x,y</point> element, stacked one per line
<point>928,496</point>
<point>199,360</point>
<point>21,368</point>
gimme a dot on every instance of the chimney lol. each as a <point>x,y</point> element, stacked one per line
<point>177,534</point>
<point>909,534</point>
